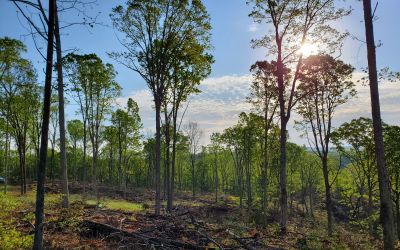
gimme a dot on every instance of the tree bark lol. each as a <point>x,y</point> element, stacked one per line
<point>158,156</point>
<point>38,238</point>
<point>170,203</point>
<point>328,195</point>
<point>6,158</point>
<point>193,176</point>
<point>283,137</point>
<point>386,211</point>
<point>61,114</point>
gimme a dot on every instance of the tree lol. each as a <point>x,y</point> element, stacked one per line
<point>192,65</point>
<point>37,28</point>
<point>194,134</point>
<point>127,124</point>
<point>232,138</point>
<point>392,156</point>
<point>358,135</point>
<point>263,97</point>
<point>294,23</point>
<point>95,88</point>
<point>38,239</point>
<point>325,84</point>
<point>155,33</point>
<point>18,96</point>
<point>386,211</point>
<point>61,115</point>
<point>75,131</point>
<point>54,120</point>
<point>215,149</point>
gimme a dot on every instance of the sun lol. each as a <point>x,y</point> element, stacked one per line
<point>308,49</point>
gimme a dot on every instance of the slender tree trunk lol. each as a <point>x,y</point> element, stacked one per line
<point>248,181</point>
<point>84,158</point>
<point>216,177</point>
<point>193,176</point>
<point>6,158</point>
<point>386,211</point>
<point>110,164</point>
<point>38,239</point>
<point>125,176</point>
<point>24,166</point>
<point>94,169</point>
<point>240,183</point>
<point>61,119</point>
<point>328,195</point>
<point>370,207</point>
<point>21,156</point>
<point>310,194</point>
<point>158,157</point>
<point>397,204</point>
<point>120,177</point>
<point>52,159</point>
<point>283,137</point>
<point>265,169</point>
<point>75,169</point>
<point>282,178</point>
<point>167,162</point>
<point>170,204</point>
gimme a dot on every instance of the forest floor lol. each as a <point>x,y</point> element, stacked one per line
<point>117,223</point>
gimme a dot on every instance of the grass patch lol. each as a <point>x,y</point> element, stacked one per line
<point>113,204</point>
<point>10,238</point>
<point>123,205</point>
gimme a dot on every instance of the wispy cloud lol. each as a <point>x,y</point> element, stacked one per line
<point>253,28</point>
<point>223,98</point>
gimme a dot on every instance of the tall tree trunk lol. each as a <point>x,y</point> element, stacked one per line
<point>110,164</point>
<point>125,175</point>
<point>328,195</point>
<point>283,137</point>
<point>167,160</point>
<point>282,177</point>
<point>6,158</point>
<point>193,176</point>
<point>21,156</point>
<point>158,156</point>
<point>21,169</point>
<point>397,203</point>
<point>24,166</point>
<point>265,166</point>
<point>84,157</point>
<point>61,115</point>
<point>120,177</point>
<point>310,194</point>
<point>216,177</point>
<point>94,169</point>
<point>386,211</point>
<point>170,203</point>
<point>75,172</point>
<point>38,239</point>
<point>52,159</point>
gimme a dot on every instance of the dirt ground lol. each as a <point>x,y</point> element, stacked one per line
<point>117,223</point>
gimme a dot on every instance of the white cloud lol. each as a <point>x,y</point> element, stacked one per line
<point>253,28</point>
<point>224,98</point>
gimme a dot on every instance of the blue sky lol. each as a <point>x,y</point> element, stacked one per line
<point>224,93</point>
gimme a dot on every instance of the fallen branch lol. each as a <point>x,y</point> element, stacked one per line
<point>240,240</point>
<point>211,240</point>
<point>107,229</point>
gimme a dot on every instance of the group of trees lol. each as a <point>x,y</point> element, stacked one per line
<point>168,44</point>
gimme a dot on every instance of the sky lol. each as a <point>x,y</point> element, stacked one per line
<point>224,92</point>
